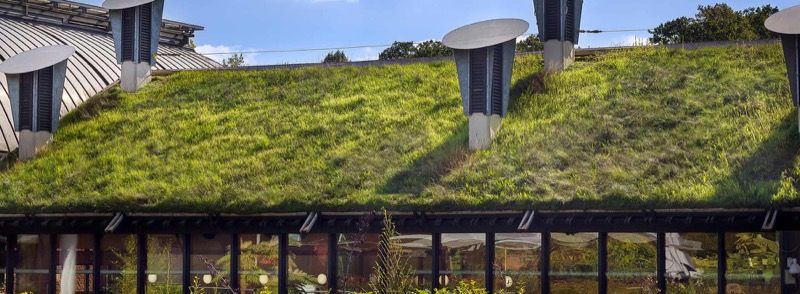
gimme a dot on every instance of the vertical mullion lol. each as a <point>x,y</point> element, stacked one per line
<point>722,263</point>
<point>187,263</point>
<point>51,271</point>
<point>436,245</point>
<point>236,251</point>
<point>661,262</point>
<point>602,263</point>
<point>11,260</point>
<point>141,263</point>
<point>544,263</point>
<point>783,249</point>
<point>333,260</point>
<point>283,263</point>
<point>97,262</point>
<point>489,263</point>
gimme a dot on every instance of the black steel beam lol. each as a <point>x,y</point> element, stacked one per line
<point>11,261</point>
<point>436,252</point>
<point>141,263</point>
<point>333,266</point>
<point>489,262</point>
<point>51,270</point>
<point>722,264</point>
<point>283,264</point>
<point>782,256</point>
<point>187,264</point>
<point>602,263</point>
<point>661,262</point>
<point>236,251</point>
<point>97,262</point>
<point>544,263</point>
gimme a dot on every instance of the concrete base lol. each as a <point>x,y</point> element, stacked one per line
<point>558,55</point>
<point>134,76</point>
<point>482,129</point>
<point>31,142</point>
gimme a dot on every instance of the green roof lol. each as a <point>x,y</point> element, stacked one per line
<point>644,128</point>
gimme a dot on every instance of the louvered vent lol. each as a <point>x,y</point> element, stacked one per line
<point>145,29</point>
<point>128,29</point>
<point>552,19</point>
<point>477,81</point>
<point>497,80</point>
<point>26,101</point>
<point>569,22</point>
<point>44,102</point>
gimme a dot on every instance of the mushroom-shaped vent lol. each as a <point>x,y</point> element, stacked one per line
<point>787,24</point>
<point>558,20</point>
<point>36,84</point>
<point>484,54</point>
<point>136,26</point>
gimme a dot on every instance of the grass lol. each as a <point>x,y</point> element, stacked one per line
<point>645,128</point>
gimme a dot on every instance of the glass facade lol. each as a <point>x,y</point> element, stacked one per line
<point>118,267</point>
<point>418,252</point>
<point>258,263</point>
<point>77,250</point>
<point>632,263</point>
<point>691,262</point>
<point>210,262</point>
<point>516,264</point>
<point>164,264</point>
<point>31,272</point>
<point>358,256</point>
<point>573,263</point>
<point>753,265</point>
<point>3,254</point>
<point>308,263</point>
<point>463,260</point>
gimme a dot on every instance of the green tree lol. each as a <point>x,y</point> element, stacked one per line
<point>530,44</point>
<point>398,50</point>
<point>235,60</point>
<point>717,22</point>
<point>757,16</point>
<point>432,48</point>
<point>393,273</point>
<point>337,56</point>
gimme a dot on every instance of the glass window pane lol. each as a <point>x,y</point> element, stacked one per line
<point>31,271</point>
<point>463,260</point>
<point>258,263</point>
<point>80,250</point>
<point>418,251</point>
<point>357,255</point>
<point>516,264</point>
<point>752,263</point>
<point>308,263</point>
<point>164,264</point>
<point>118,270</point>
<point>573,263</point>
<point>210,262</point>
<point>691,262</point>
<point>632,263</point>
<point>3,246</point>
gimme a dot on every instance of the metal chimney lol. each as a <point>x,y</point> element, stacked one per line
<point>559,23</point>
<point>136,26</point>
<point>787,24</point>
<point>484,54</point>
<point>35,86</point>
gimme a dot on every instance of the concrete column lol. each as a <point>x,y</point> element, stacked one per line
<point>30,143</point>
<point>558,55</point>
<point>69,253</point>
<point>134,76</point>
<point>482,129</point>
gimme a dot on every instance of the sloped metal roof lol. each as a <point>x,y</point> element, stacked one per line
<point>91,69</point>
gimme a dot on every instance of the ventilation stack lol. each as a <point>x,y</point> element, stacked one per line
<point>484,54</point>
<point>136,26</point>
<point>559,23</point>
<point>35,86</point>
<point>786,23</point>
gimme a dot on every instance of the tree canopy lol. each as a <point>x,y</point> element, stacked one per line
<point>530,44</point>
<point>337,56</point>
<point>717,22</point>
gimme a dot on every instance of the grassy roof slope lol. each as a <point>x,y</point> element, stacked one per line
<point>650,128</point>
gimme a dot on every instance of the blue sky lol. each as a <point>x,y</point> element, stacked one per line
<point>247,25</point>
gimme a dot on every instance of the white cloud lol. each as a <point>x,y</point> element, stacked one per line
<point>249,58</point>
<point>632,40</point>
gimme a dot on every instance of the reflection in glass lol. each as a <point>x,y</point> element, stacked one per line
<point>33,265</point>
<point>752,263</point>
<point>308,263</point>
<point>418,250</point>
<point>3,246</point>
<point>463,259</point>
<point>357,255</point>
<point>164,264</point>
<point>80,250</point>
<point>691,260</point>
<point>210,261</point>
<point>573,263</point>
<point>258,263</point>
<point>516,268</point>
<point>632,263</point>
<point>118,268</point>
